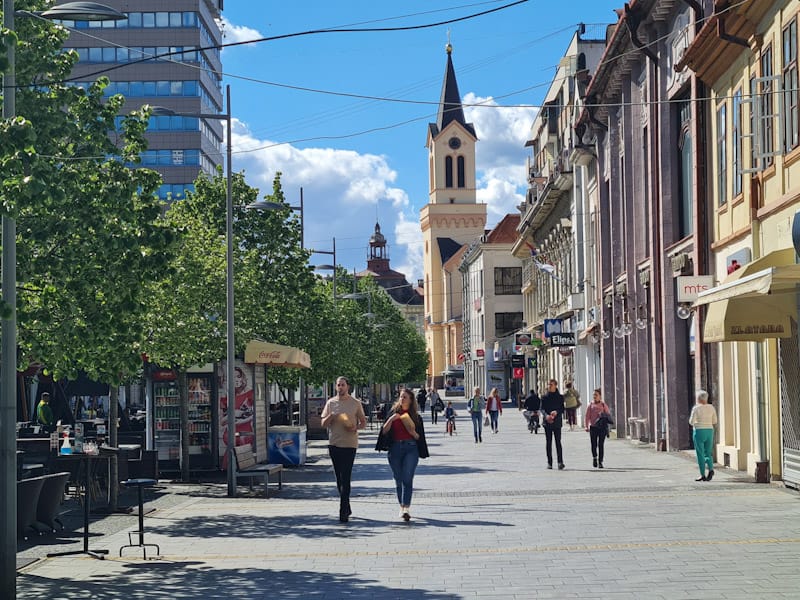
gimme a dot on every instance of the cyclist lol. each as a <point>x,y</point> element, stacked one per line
<point>450,417</point>
<point>532,405</point>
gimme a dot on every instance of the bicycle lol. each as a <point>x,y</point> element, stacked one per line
<point>451,425</point>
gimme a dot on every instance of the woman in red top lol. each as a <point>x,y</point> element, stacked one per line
<point>597,427</point>
<point>405,429</point>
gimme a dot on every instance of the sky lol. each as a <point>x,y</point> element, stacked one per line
<point>362,161</point>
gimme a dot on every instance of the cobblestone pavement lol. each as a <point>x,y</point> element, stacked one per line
<point>488,521</point>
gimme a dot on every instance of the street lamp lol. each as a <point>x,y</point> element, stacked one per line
<point>261,205</point>
<point>328,267</point>
<point>230,350</point>
<point>80,11</point>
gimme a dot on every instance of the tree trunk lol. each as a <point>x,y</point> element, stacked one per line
<point>113,439</point>
<point>183,395</point>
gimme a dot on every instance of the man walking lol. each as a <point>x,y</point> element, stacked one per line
<point>433,398</point>
<point>422,397</point>
<point>553,413</point>
<point>572,401</point>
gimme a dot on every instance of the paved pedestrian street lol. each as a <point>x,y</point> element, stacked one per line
<point>488,521</point>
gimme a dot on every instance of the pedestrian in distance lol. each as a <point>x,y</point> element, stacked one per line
<point>450,417</point>
<point>475,407</point>
<point>572,401</point>
<point>408,445</point>
<point>553,417</point>
<point>433,398</point>
<point>422,397</point>
<point>532,406</point>
<point>596,422</point>
<point>703,418</point>
<point>343,416</point>
<point>494,407</point>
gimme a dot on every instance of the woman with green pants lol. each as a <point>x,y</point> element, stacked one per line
<point>703,419</point>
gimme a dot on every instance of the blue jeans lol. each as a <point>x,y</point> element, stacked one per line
<point>477,424</point>
<point>493,419</point>
<point>403,459</point>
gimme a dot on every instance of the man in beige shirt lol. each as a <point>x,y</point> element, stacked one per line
<point>343,416</point>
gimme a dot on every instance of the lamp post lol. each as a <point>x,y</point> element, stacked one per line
<point>328,267</point>
<point>261,205</point>
<point>81,11</point>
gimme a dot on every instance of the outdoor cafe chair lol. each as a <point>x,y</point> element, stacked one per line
<point>50,499</point>
<point>28,491</point>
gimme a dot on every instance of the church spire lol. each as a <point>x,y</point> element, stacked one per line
<point>450,108</point>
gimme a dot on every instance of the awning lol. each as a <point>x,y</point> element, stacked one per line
<point>275,355</point>
<point>755,302</point>
<point>593,325</point>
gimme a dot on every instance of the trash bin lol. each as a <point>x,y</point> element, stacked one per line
<point>286,444</point>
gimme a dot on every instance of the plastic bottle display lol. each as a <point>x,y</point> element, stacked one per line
<point>66,447</point>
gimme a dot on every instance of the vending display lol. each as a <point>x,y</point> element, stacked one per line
<point>200,423</point>
<point>167,424</point>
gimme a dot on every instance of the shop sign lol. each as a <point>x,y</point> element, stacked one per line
<point>690,286</point>
<point>522,339</point>
<point>565,339</point>
<point>519,373</point>
<point>479,353</point>
<point>552,327</point>
<point>532,362</point>
<point>517,361</point>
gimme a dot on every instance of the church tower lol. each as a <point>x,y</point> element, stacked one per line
<point>452,216</point>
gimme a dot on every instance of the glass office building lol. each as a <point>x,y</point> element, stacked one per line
<point>187,81</point>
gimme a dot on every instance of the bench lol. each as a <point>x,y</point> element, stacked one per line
<point>247,467</point>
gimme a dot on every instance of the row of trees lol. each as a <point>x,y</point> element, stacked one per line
<point>105,274</point>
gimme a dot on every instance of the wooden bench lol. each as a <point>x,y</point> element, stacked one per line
<point>247,467</point>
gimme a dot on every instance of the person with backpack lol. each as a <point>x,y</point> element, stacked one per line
<point>475,407</point>
<point>572,401</point>
<point>422,397</point>
<point>436,405</point>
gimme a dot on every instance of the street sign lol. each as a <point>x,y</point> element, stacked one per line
<point>566,338</point>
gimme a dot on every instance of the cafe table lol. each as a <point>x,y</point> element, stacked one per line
<point>87,462</point>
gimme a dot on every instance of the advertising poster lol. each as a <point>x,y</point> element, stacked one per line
<point>243,405</point>
<point>496,379</point>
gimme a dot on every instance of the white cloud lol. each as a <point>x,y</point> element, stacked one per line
<point>237,33</point>
<point>500,154</point>
<point>341,189</point>
<point>408,234</point>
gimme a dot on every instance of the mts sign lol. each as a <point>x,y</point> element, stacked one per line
<point>690,286</point>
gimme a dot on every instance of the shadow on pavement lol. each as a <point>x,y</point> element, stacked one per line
<point>184,581</point>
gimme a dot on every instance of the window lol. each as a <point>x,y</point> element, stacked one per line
<point>460,164</point>
<point>767,111</point>
<point>686,162</point>
<point>736,134</point>
<point>448,171</point>
<point>507,281</point>
<point>506,323</point>
<point>722,171</point>
<point>791,134</point>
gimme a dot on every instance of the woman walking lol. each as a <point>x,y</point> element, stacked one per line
<point>408,445</point>
<point>494,407</point>
<point>475,408</point>
<point>596,423</point>
<point>343,416</point>
<point>703,418</point>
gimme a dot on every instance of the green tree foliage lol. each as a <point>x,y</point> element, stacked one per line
<point>89,233</point>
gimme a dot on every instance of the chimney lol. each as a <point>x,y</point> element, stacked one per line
<point>420,283</point>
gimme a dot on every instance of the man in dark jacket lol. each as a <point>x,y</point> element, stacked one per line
<point>553,413</point>
<point>533,404</point>
<point>421,398</point>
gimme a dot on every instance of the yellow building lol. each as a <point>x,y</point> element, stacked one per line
<point>747,56</point>
<point>452,216</point>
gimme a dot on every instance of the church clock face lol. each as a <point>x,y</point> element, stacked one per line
<point>454,143</point>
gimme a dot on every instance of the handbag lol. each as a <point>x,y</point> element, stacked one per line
<point>384,441</point>
<point>486,420</point>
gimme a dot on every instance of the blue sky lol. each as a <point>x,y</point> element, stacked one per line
<point>505,60</point>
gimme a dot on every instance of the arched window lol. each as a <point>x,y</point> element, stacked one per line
<point>460,163</point>
<point>448,171</point>
<point>687,192</point>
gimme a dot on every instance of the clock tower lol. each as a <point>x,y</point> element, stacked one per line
<point>451,218</point>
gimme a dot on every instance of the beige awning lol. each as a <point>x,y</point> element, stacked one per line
<point>275,355</point>
<point>755,302</point>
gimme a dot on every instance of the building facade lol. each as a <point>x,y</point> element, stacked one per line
<point>750,316</point>
<point>186,82</point>
<point>492,288</point>
<point>452,216</point>
<point>555,230</point>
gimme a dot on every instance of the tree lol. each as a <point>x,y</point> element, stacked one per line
<point>89,231</point>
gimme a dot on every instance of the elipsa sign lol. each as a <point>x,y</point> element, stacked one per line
<point>566,338</point>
